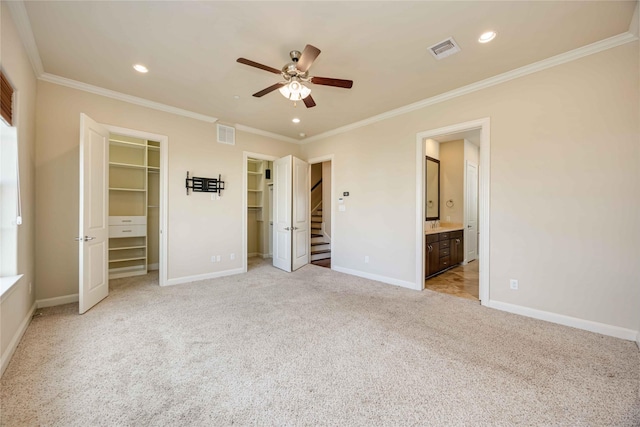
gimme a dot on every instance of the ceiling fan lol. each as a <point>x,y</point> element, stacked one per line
<point>296,74</point>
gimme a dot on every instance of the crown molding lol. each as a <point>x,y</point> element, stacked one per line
<point>74,84</point>
<point>267,134</point>
<point>553,61</point>
<point>23,25</point>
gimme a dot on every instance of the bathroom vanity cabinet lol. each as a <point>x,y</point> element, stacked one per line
<point>444,250</point>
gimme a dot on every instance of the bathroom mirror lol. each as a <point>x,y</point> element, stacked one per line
<point>432,189</point>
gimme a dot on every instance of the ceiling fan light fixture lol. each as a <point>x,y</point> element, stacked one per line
<point>295,91</point>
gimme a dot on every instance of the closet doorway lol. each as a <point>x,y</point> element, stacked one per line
<point>123,207</point>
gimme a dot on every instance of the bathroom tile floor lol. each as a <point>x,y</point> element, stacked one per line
<point>461,281</point>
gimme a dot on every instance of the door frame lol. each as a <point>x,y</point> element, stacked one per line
<point>246,155</point>
<point>466,207</point>
<point>313,161</point>
<point>164,186</point>
<point>484,125</point>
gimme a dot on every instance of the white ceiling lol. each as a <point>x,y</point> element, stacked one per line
<point>191,50</point>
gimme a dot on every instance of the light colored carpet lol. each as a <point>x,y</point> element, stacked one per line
<point>314,347</point>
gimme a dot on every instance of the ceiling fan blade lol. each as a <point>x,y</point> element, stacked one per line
<point>309,102</point>
<point>270,89</point>
<point>309,54</point>
<point>347,84</point>
<point>255,64</point>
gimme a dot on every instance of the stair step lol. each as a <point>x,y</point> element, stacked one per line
<point>319,243</point>
<point>316,235</point>
<point>321,251</point>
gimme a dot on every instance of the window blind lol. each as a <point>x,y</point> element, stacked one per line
<point>6,99</point>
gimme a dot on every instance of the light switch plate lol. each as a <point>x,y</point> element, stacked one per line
<point>342,208</point>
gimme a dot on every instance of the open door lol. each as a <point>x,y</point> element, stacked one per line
<point>290,213</point>
<point>94,208</point>
<point>471,201</point>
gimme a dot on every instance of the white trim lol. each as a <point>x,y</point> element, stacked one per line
<point>252,254</point>
<point>638,340</point>
<point>267,134</point>
<point>23,25</point>
<point>266,256</point>
<point>74,84</point>
<point>561,319</point>
<point>152,267</point>
<point>245,156</point>
<point>376,277</point>
<point>562,58</point>
<point>484,193</point>
<point>52,302</point>
<point>13,345</point>
<point>205,276</point>
<point>164,196</point>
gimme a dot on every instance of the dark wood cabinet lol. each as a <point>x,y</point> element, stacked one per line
<point>457,247</point>
<point>443,251</point>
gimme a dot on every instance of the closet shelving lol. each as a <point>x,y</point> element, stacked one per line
<point>255,184</point>
<point>134,168</point>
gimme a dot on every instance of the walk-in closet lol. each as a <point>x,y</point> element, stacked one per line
<point>134,199</point>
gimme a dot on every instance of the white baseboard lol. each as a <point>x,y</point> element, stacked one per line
<point>50,302</point>
<point>6,356</point>
<point>265,256</point>
<point>378,278</point>
<point>205,276</point>
<point>252,254</point>
<point>561,319</point>
<point>638,340</point>
<point>153,266</point>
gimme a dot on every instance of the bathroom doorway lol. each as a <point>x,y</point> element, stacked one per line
<point>453,256</point>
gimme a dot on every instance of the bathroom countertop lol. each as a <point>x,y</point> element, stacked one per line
<point>442,228</point>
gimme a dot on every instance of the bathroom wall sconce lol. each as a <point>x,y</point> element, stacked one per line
<point>449,203</point>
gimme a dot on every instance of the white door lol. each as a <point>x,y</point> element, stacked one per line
<point>301,213</point>
<point>290,213</point>
<point>282,192</point>
<point>471,206</point>
<point>94,206</point>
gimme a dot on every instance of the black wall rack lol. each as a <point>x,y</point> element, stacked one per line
<point>204,185</point>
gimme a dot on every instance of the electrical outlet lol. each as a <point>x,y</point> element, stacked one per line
<point>217,258</point>
<point>513,283</point>
<point>448,218</point>
<point>232,256</point>
<point>215,197</point>
<point>213,258</point>
<point>366,259</point>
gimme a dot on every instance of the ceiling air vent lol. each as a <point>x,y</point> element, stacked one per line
<point>226,135</point>
<point>444,48</point>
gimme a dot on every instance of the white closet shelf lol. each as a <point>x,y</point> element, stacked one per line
<point>153,148</point>
<point>255,191</point>
<point>153,206</point>
<point>126,165</point>
<point>254,207</point>
<point>127,144</point>
<point>254,173</point>
<point>124,248</point>
<point>128,259</point>
<point>127,189</point>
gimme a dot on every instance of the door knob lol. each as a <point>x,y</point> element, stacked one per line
<point>87,238</point>
<point>287,228</point>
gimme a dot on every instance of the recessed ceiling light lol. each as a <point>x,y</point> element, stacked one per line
<point>487,37</point>
<point>236,96</point>
<point>295,120</point>
<point>302,134</point>
<point>140,68</point>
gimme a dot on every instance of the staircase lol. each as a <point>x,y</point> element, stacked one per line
<point>320,245</point>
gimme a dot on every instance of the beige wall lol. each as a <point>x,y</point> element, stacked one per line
<point>15,308</point>
<point>198,226</point>
<point>432,148</point>
<point>565,182</point>
<point>452,181</point>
